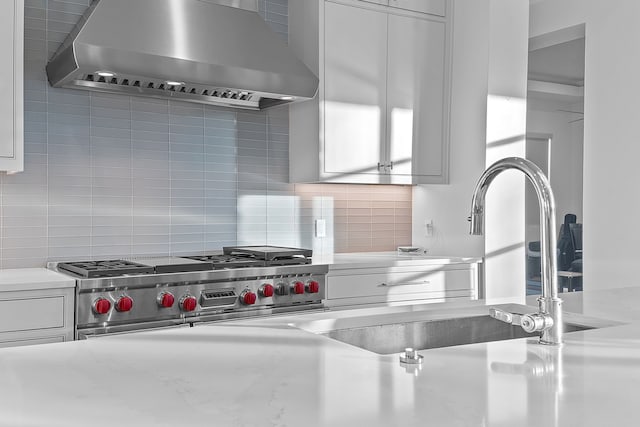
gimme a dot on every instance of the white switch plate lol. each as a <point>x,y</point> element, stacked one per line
<point>321,228</point>
<point>428,227</point>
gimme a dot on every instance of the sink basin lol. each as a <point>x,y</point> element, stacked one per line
<point>395,337</point>
<point>392,333</point>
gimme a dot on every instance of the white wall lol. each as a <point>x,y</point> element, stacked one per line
<point>449,205</point>
<point>489,67</point>
<point>611,131</point>
<point>538,152</point>
<point>506,137</point>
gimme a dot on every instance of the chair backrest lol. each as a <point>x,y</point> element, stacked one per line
<point>566,246</point>
<point>576,233</point>
<point>533,260</point>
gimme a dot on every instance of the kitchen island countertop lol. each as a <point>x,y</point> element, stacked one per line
<point>268,372</point>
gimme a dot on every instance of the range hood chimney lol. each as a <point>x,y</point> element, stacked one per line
<point>218,52</point>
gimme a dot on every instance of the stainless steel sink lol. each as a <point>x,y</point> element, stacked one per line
<point>422,335</point>
<point>393,329</point>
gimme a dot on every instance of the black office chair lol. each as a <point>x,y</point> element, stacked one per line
<point>576,234</point>
<point>566,244</point>
<point>570,250</point>
<point>576,264</point>
<point>569,253</point>
<point>534,269</point>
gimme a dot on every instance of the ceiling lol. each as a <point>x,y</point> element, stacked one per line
<point>556,68</point>
<point>561,63</point>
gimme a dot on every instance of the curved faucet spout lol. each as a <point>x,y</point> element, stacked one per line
<point>549,303</point>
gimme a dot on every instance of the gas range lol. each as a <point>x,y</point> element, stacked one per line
<point>123,295</point>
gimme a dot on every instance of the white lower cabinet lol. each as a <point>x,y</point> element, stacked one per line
<point>360,287</point>
<point>36,316</point>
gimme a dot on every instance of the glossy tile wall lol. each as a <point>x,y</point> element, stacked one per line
<point>113,176</point>
<point>358,218</point>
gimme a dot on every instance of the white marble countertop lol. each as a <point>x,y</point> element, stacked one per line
<point>26,279</point>
<point>343,261</point>
<point>22,279</point>
<point>268,372</point>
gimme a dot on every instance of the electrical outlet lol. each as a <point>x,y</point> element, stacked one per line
<point>428,227</point>
<point>321,228</point>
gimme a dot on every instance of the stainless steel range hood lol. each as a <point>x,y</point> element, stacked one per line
<point>192,50</point>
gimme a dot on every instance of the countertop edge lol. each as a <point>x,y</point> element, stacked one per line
<point>29,279</point>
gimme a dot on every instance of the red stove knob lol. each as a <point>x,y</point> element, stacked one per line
<point>248,298</point>
<point>166,300</point>
<point>188,303</point>
<point>313,287</point>
<point>124,303</point>
<point>266,290</point>
<point>101,306</point>
<point>298,288</point>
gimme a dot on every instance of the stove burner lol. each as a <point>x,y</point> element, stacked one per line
<point>272,255</point>
<point>232,257</point>
<point>255,256</point>
<point>107,268</point>
<point>220,261</point>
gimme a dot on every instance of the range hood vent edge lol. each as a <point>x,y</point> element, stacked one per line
<point>251,69</point>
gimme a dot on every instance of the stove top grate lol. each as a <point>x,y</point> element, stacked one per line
<point>106,268</point>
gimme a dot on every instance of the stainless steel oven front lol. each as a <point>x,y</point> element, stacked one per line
<point>131,302</point>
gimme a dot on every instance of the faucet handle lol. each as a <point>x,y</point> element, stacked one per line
<point>505,316</point>
<point>535,322</point>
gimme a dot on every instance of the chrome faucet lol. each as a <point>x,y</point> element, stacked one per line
<point>548,320</point>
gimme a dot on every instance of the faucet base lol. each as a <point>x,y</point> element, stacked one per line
<point>552,307</point>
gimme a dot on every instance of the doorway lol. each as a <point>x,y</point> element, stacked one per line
<point>555,131</point>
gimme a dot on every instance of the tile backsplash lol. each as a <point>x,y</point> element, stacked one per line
<point>116,176</point>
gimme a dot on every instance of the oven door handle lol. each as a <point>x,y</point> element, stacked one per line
<point>83,333</point>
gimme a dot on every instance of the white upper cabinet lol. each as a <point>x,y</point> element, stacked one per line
<point>11,86</point>
<point>381,115</point>
<point>354,89</point>
<point>415,96</point>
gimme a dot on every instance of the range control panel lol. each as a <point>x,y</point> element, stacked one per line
<point>188,300</point>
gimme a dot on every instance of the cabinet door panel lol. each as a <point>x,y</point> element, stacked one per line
<point>11,86</point>
<point>415,96</point>
<point>354,90</point>
<point>7,31</point>
<point>23,314</point>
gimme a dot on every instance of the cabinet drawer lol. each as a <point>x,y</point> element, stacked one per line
<point>24,314</point>
<point>393,284</point>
